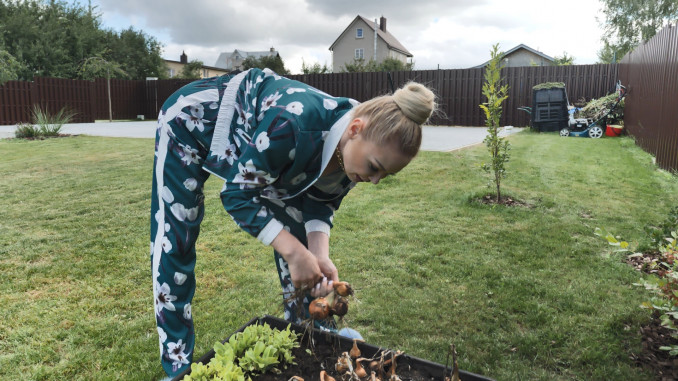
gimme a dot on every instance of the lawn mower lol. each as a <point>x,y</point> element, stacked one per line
<point>587,127</point>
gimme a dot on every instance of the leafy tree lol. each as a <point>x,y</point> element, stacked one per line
<point>563,60</point>
<point>9,67</point>
<point>191,70</point>
<point>629,22</point>
<point>274,63</point>
<point>496,94</point>
<point>315,68</point>
<point>53,38</point>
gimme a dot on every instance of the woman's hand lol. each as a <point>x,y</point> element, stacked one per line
<point>303,265</point>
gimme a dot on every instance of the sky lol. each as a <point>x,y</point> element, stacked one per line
<point>445,34</point>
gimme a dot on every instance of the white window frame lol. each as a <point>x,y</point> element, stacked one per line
<point>359,54</point>
<point>171,73</point>
<point>359,33</point>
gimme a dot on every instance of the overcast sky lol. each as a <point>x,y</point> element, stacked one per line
<point>450,34</point>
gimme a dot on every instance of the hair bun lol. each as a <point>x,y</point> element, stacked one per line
<point>416,101</point>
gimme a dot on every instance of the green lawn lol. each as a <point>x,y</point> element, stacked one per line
<point>524,293</point>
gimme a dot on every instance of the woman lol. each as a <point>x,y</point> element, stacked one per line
<point>288,154</point>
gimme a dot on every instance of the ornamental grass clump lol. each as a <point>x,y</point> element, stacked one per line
<point>50,124</point>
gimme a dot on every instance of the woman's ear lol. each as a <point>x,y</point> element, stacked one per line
<point>356,127</point>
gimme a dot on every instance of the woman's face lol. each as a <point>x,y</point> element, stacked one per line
<point>367,161</point>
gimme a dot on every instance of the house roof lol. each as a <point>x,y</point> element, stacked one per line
<point>203,66</point>
<point>387,37</point>
<point>516,48</point>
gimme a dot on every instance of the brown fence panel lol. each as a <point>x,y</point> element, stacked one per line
<point>15,102</point>
<point>650,74</point>
<point>53,94</point>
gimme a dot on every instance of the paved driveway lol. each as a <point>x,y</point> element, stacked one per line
<point>435,138</point>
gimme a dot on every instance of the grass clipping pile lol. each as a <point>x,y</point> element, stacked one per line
<point>260,353</point>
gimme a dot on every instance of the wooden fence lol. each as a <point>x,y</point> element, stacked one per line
<point>650,74</point>
<point>459,92</point>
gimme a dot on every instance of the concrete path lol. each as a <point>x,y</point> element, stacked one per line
<point>435,138</point>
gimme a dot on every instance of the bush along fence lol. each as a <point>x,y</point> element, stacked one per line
<point>459,92</point>
<point>650,74</point>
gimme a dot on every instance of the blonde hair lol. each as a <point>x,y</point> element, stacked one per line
<point>398,118</point>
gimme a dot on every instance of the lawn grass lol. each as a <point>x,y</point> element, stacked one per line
<point>524,293</point>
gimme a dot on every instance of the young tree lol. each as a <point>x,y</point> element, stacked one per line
<point>97,67</point>
<point>496,94</point>
<point>629,22</point>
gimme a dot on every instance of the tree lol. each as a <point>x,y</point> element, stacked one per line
<point>629,22</point>
<point>191,70</point>
<point>53,38</point>
<point>389,64</point>
<point>315,68</point>
<point>9,67</point>
<point>274,63</point>
<point>496,94</point>
<point>563,60</point>
<point>96,67</point>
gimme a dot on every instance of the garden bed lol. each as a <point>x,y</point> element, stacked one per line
<point>320,350</point>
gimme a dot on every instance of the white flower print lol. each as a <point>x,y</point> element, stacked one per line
<point>296,108</point>
<point>324,135</point>
<point>294,213</point>
<point>293,90</point>
<point>195,120</point>
<point>270,101</point>
<point>270,73</point>
<point>272,192</point>
<point>263,141</point>
<point>179,211</point>
<point>243,116</point>
<point>191,184</point>
<point>166,244</point>
<point>263,212</point>
<point>228,154</point>
<point>250,175</point>
<point>293,153</point>
<point>179,278</point>
<point>330,104</point>
<point>192,214</point>
<point>167,196</point>
<point>189,155</point>
<point>167,227</point>
<point>187,311</point>
<point>176,353</point>
<point>214,106</point>
<point>353,102</point>
<point>162,336</point>
<point>284,270</point>
<point>163,298</point>
<point>298,178</point>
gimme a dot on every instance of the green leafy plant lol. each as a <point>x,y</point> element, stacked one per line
<point>657,233</point>
<point>255,350</point>
<point>496,94</point>
<point>26,131</point>
<point>50,125</point>
<point>663,285</point>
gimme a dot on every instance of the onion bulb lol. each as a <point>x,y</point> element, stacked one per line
<point>319,309</point>
<point>343,288</point>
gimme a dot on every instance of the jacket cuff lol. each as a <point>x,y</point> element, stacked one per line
<point>317,226</point>
<point>270,231</point>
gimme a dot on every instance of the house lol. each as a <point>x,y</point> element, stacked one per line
<point>364,39</point>
<point>523,55</point>
<point>175,67</point>
<point>233,61</point>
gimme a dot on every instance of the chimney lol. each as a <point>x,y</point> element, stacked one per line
<point>382,24</point>
<point>272,50</point>
<point>184,58</point>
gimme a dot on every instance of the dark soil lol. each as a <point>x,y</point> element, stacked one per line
<point>491,199</point>
<point>654,335</point>
<point>323,354</point>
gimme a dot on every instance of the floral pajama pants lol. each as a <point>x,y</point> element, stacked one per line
<point>177,209</point>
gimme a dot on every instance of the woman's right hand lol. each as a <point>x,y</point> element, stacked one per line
<point>303,265</point>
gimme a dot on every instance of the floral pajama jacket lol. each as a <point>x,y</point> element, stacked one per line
<point>269,138</point>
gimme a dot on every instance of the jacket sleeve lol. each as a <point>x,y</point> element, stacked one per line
<point>262,160</point>
<point>318,213</point>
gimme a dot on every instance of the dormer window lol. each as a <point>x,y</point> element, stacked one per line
<point>359,33</point>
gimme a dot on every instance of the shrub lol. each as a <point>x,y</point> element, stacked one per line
<point>26,131</point>
<point>50,125</point>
